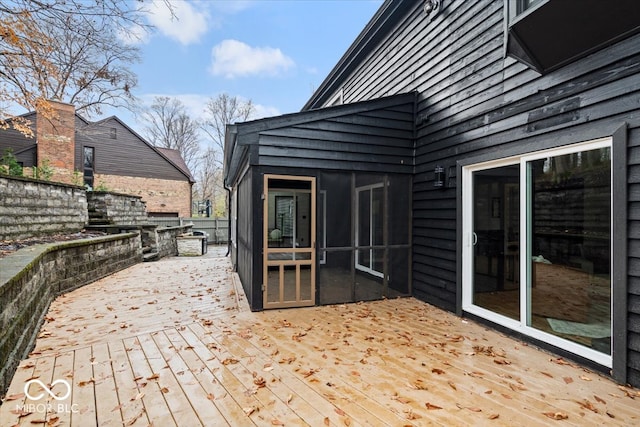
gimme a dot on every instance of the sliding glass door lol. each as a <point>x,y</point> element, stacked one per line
<point>537,248</point>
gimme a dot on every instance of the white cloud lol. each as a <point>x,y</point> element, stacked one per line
<point>186,25</point>
<point>232,58</point>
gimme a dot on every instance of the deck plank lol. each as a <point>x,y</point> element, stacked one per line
<point>182,412</point>
<point>83,389</point>
<point>206,411</point>
<point>43,372</point>
<point>108,412</point>
<point>148,381</point>
<point>195,355</point>
<point>129,394</point>
<point>12,408</point>
<point>237,373</point>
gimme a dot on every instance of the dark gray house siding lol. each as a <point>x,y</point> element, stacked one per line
<point>121,151</point>
<point>475,103</point>
<point>23,148</point>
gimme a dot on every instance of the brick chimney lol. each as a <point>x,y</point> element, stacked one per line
<point>55,138</point>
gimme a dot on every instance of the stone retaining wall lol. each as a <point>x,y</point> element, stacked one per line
<point>32,277</point>
<point>30,208</point>
<point>167,239</point>
<point>115,208</point>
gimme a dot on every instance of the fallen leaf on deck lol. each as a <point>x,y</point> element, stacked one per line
<point>418,385</point>
<point>276,422</point>
<point>133,420</point>
<point>297,336</point>
<point>137,396</point>
<point>585,378</point>
<point>401,399</point>
<point>153,377</point>
<point>599,399</point>
<point>164,390</point>
<point>326,421</point>
<point>567,380</point>
<point>340,412</point>
<point>494,416</point>
<point>452,385</point>
<point>84,383</point>
<point>470,408</point>
<point>249,410</point>
<point>556,415</point>
<point>431,406</point>
<point>437,371</point>
<point>229,361</point>
<point>20,412</point>
<point>14,396</point>
<point>210,396</point>
<point>410,415</point>
<point>517,387</point>
<point>587,405</point>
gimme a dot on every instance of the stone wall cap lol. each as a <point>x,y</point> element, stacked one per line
<point>14,265</point>
<point>40,181</point>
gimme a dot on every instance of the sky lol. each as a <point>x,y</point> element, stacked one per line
<point>274,53</point>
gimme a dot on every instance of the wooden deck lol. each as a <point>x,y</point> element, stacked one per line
<point>172,343</point>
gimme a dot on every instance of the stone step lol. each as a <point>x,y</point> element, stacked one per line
<point>150,256</point>
<point>99,221</point>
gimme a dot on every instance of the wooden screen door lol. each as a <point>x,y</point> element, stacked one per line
<point>289,241</point>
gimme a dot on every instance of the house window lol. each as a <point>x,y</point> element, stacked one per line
<point>546,35</point>
<point>88,165</point>
<point>518,7</point>
<point>113,133</point>
<point>537,245</point>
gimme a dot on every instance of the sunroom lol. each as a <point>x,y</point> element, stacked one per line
<point>321,203</point>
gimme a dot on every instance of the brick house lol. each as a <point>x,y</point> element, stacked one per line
<point>106,154</point>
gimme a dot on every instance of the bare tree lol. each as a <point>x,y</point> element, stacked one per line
<point>219,112</point>
<point>67,50</point>
<point>169,126</point>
